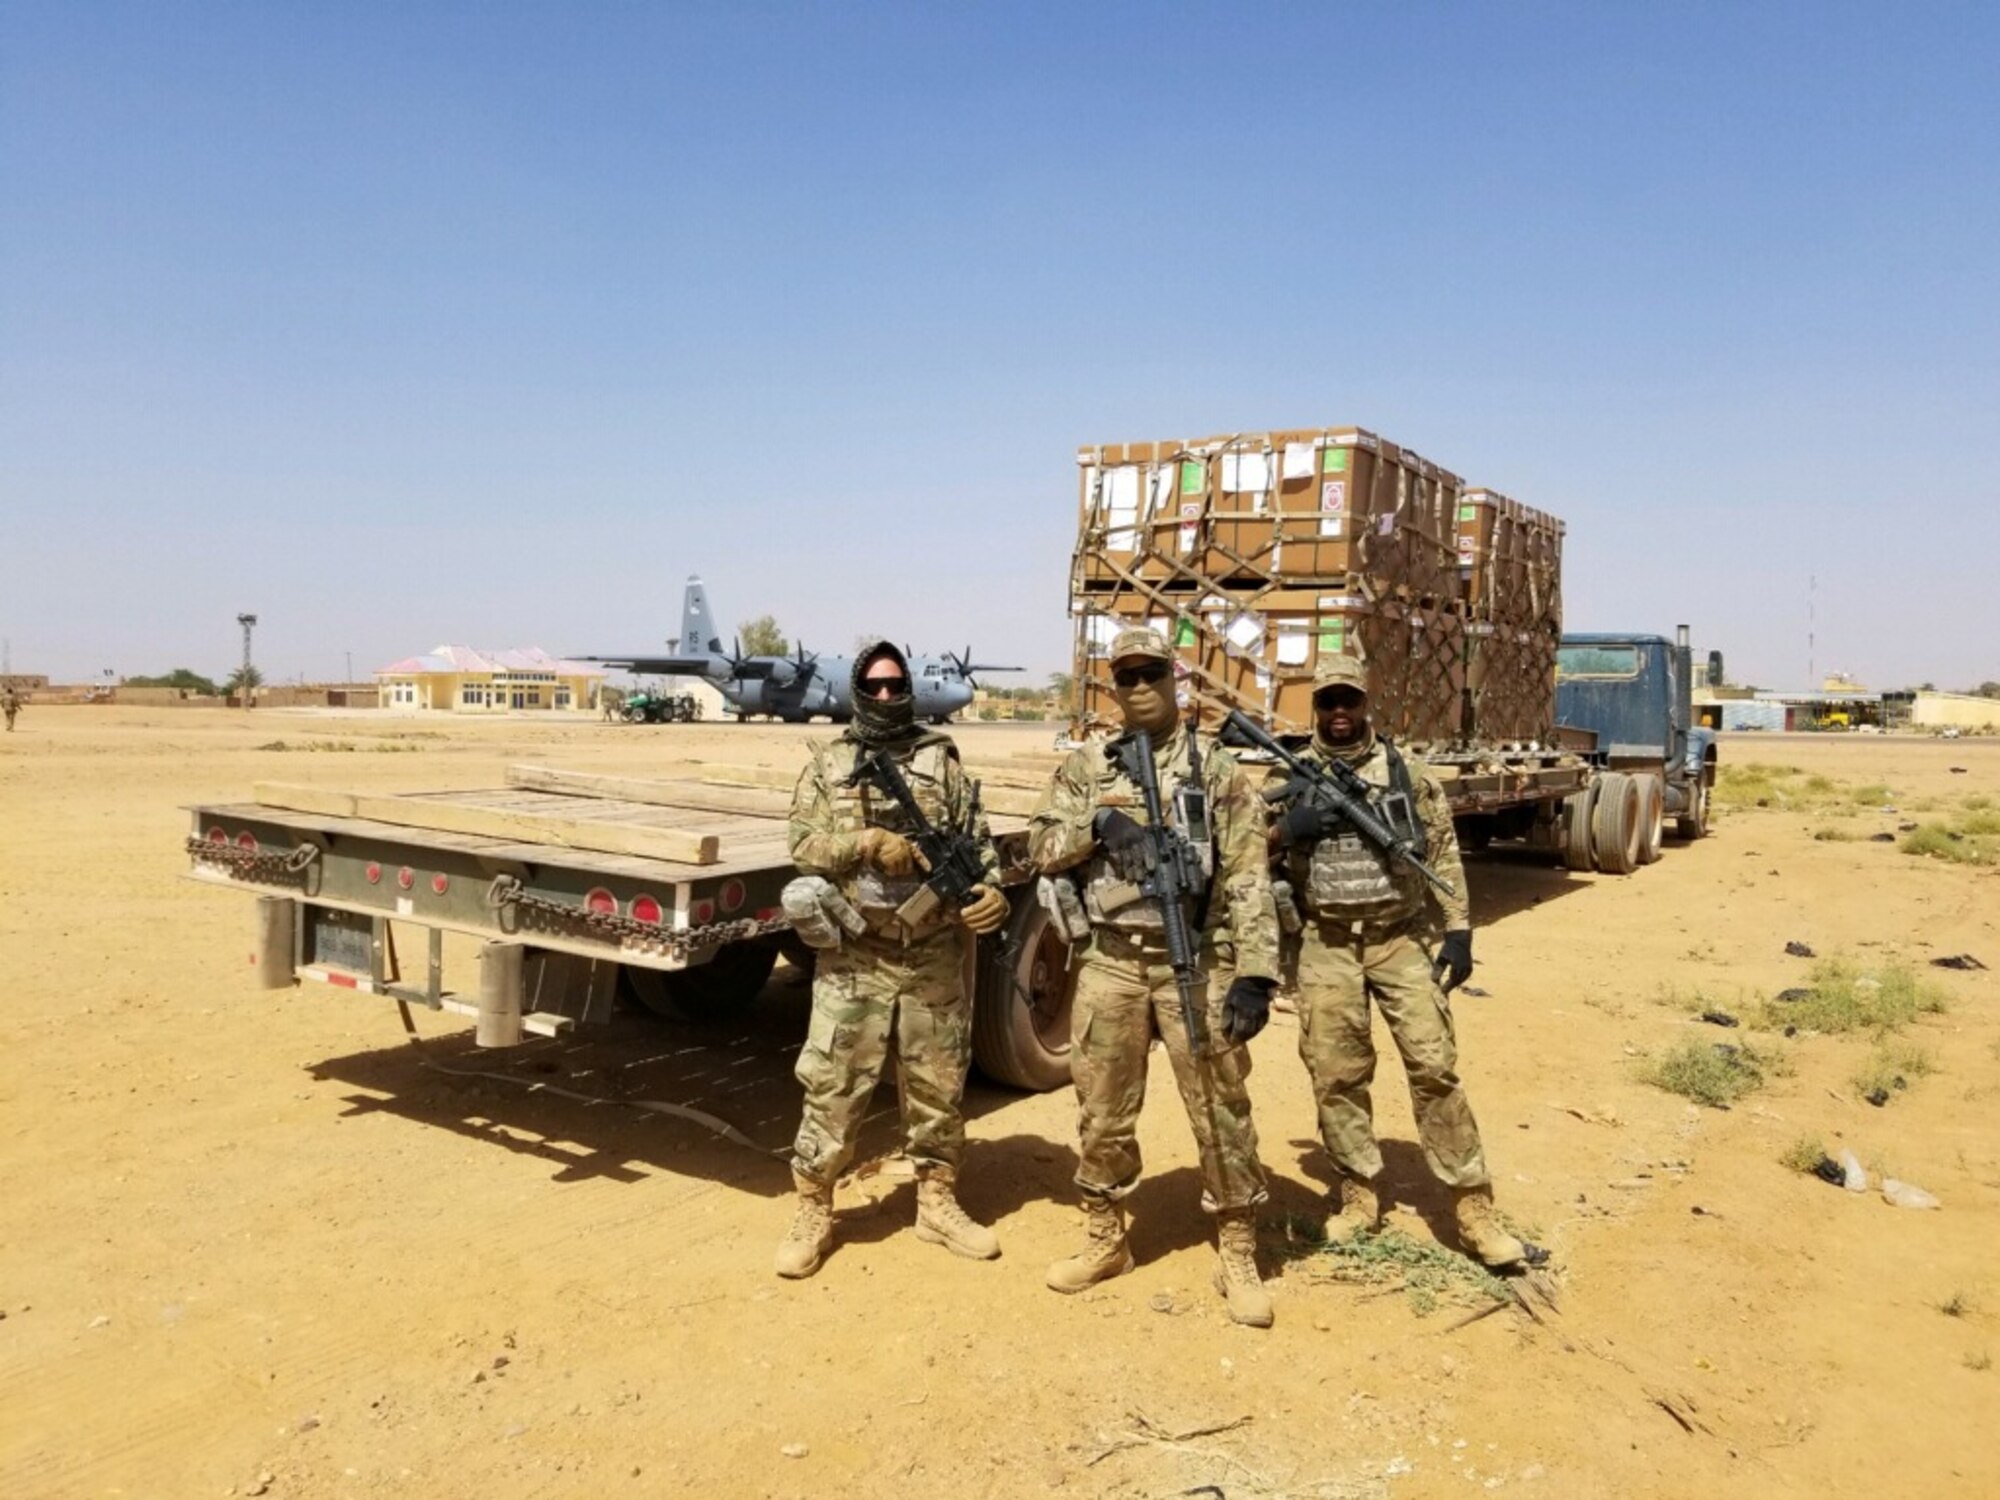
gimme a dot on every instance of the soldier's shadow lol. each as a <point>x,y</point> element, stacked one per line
<point>1405,1186</point>
<point>1000,1177</point>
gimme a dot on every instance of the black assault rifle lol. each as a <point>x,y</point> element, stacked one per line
<point>951,856</point>
<point>1172,873</point>
<point>1337,789</point>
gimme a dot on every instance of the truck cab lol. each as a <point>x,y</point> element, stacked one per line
<point>1633,694</point>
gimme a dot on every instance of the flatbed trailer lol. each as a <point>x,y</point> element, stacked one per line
<point>583,890</point>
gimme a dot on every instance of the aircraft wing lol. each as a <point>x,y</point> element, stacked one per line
<point>665,666</point>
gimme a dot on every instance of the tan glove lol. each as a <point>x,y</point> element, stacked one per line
<point>888,852</point>
<point>986,912</point>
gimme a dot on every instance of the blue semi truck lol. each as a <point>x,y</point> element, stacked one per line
<point>1624,702</point>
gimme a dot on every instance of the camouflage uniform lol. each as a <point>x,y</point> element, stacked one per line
<point>889,981</point>
<point>10,704</point>
<point>1125,990</point>
<point>1356,947</point>
<point>1372,927</point>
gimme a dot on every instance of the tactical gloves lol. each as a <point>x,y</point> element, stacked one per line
<point>888,851</point>
<point>985,912</point>
<point>1453,965</point>
<point>1124,840</point>
<point>1304,822</point>
<point>1246,1007</point>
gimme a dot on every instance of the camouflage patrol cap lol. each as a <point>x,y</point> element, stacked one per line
<point>1340,671</point>
<point>1139,642</point>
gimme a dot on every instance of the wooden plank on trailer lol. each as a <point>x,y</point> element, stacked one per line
<point>758,802</point>
<point>678,845</point>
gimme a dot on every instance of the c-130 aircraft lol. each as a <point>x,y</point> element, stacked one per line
<point>801,686</point>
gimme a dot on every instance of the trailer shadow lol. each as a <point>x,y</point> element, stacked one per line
<point>1506,881</point>
<point>637,1097</point>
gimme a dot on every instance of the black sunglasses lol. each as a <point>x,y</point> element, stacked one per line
<point>1130,677</point>
<point>892,687</point>
<point>1339,697</point>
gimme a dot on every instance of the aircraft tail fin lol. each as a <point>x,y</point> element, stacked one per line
<point>697,625</point>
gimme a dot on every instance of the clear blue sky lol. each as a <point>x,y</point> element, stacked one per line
<point>489,323</point>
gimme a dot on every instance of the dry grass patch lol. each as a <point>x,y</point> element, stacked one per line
<point>1844,997</point>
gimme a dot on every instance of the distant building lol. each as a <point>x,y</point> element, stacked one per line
<point>462,680</point>
<point>1955,711</point>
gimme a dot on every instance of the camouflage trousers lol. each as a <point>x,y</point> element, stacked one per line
<point>1125,995</point>
<point>866,992</point>
<point>1338,972</point>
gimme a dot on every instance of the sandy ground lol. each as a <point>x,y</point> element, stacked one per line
<point>259,1243</point>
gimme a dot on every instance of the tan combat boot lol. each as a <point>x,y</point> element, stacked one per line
<point>1236,1270</point>
<point>811,1234</point>
<point>1354,1205</point>
<point>1105,1256</point>
<point>942,1221</point>
<point>1480,1231</point>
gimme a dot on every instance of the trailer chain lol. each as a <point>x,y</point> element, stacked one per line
<point>264,866</point>
<point>508,896</point>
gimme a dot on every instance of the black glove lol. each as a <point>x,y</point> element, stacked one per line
<point>1454,959</point>
<point>1125,841</point>
<point>1304,822</point>
<point>1246,1007</point>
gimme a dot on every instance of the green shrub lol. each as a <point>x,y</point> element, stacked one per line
<point>1939,841</point>
<point>1844,997</point>
<point>1893,1068</point>
<point>1805,1153</point>
<point>1716,1074</point>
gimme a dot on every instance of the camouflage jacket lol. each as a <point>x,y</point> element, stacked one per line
<point>1241,919</point>
<point>1372,761</point>
<point>828,816</point>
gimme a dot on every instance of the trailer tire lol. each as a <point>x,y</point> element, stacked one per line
<point>1579,808</point>
<point>1020,1012</point>
<point>1652,817</point>
<point>706,992</point>
<point>1615,830</point>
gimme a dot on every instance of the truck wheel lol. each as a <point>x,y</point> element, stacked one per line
<point>1579,808</point>
<point>1693,823</point>
<point>1615,831</point>
<point>706,992</point>
<point>1652,817</point>
<point>1020,1014</point>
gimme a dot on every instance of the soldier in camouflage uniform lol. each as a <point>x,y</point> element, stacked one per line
<point>10,704</point>
<point>890,980</point>
<point>1372,928</point>
<point>1125,989</point>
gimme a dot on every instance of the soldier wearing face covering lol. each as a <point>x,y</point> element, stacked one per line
<point>890,980</point>
<point>1126,994</point>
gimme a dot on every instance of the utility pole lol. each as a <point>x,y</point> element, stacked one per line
<point>348,681</point>
<point>248,622</point>
<point>1812,627</point>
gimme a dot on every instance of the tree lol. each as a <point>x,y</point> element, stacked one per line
<point>761,637</point>
<point>235,682</point>
<point>1987,690</point>
<point>1062,687</point>
<point>183,678</point>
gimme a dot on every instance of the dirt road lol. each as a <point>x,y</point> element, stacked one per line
<point>260,1244</point>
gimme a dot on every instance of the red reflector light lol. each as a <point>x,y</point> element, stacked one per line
<point>246,840</point>
<point>732,894</point>
<point>373,872</point>
<point>406,877</point>
<point>645,909</point>
<point>601,900</point>
<point>702,911</point>
<point>218,836</point>
<point>440,884</point>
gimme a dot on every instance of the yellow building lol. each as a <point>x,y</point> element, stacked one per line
<point>463,680</point>
<point>1961,711</point>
